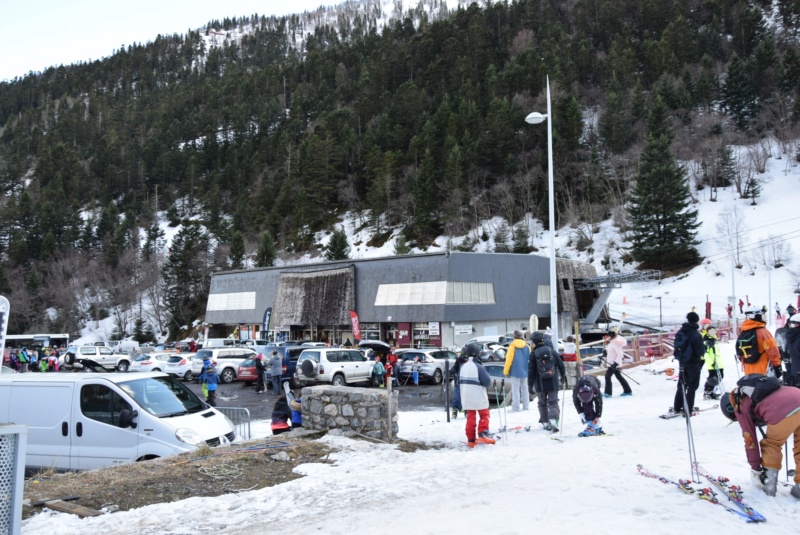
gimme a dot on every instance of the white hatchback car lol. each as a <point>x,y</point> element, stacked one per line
<point>151,362</point>
<point>180,365</point>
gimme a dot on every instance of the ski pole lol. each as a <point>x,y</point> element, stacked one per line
<point>505,418</point>
<point>561,415</point>
<point>628,376</point>
<point>687,411</point>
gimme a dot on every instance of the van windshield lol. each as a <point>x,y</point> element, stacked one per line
<point>163,397</point>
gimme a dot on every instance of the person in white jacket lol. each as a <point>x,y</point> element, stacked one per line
<point>473,380</point>
<point>614,355</point>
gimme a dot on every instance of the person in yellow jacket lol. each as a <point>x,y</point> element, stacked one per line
<point>713,360</point>
<point>756,341</point>
<point>516,370</point>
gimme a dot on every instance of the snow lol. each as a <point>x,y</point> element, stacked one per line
<point>526,481</point>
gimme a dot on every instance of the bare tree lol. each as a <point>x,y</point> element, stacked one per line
<point>731,229</point>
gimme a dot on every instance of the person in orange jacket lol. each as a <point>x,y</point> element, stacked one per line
<point>767,348</point>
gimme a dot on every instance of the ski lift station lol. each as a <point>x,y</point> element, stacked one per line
<point>439,299</point>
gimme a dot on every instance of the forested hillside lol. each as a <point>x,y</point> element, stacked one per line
<point>419,124</point>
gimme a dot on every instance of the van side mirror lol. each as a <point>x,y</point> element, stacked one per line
<point>126,418</point>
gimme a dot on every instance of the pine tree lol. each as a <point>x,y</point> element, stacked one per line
<point>338,248</point>
<point>521,235</point>
<point>663,227</point>
<point>501,238</point>
<point>739,96</point>
<point>400,245</point>
<point>265,257</point>
<point>236,254</point>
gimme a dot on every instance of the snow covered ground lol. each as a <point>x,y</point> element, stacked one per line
<point>524,483</point>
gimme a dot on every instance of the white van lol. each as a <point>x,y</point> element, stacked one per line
<point>83,421</point>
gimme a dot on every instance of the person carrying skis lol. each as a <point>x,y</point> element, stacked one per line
<point>588,402</point>
<point>780,411</point>
<point>614,355</point>
<point>516,371</point>
<point>544,370</point>
<point>713,360</point>
<point>689,350</point>
<point>755,347</point>
<point>473,380</point>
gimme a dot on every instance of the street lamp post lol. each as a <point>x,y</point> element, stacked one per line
<point>660,317</point>
<point>537,118</point>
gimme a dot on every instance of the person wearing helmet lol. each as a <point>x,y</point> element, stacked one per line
<point>473,380</point>
<point>755,347</point>
<point>792,338</point>
<point>713,360</point>
<point>780,411</point>
<point>544,370</point>
<point>588,401</point>
<point>516,370</point>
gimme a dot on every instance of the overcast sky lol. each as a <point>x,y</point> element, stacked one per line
<point>36,34</point>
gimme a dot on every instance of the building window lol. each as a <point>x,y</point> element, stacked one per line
<point>232,301</point>
<point>435,293</point>
<point>543,295</point>
<point>565,284</point>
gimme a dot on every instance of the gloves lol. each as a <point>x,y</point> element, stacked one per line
<point>778,371</point>
<point>583,418</point>
<point>757,477</point>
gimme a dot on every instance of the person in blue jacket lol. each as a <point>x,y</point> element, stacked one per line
<point>208,376</point>
<point>296,404</point>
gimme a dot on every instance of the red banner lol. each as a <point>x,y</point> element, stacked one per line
<point>354,323</point>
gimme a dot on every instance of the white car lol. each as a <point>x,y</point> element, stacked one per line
<point>180,365</point>
<point>152,362</point>
<point>226,359</point>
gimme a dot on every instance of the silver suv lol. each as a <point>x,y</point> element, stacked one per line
<point>336,366</point>
<point>225,359</point>
<point>432,364</point>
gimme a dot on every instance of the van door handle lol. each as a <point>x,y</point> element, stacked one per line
<point>64,429</point>
<point>79,429</point>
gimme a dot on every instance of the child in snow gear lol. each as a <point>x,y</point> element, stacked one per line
<point>281,415</point>
<point>713,360</point>
<point>544,370</point>
<point>755,347</point>
<point>689,350</point>
<point>415,368</point>
<point>588,402</point>
<point>779,409</point>
<point>296,404</point>
<point>378,371</point>
<point>208,378</point>
<point>614,355</point>
<point>516,371</point>
<point>473,380</point>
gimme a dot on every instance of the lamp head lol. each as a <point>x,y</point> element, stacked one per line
<point>535,118</point>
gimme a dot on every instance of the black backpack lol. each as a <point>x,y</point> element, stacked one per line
<point>679,347</point>
<point>756,387</point>
<point>747,347</point>
<point>546,364</point>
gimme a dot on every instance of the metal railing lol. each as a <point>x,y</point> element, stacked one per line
<point>240,416</point>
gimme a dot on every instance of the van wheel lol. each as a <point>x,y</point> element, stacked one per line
<point>338,380</point>
<point>188,376</point>
<point>122,366</point>
<point>228,375</point>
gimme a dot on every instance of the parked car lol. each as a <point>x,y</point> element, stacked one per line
<point>247,372</point>
<point>227,361</point>
<point>336,366</point>
<point>433,363</point>
<point>491,352</point>
<point>152,362</point>
<point>501,387</point>
<point>180,365</point>
<point>99,354</point>
<point>259,345</point>
<point>290,355</point>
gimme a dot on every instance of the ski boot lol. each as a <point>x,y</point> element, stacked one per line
<point>545,426</point>
<point>795,491</point>
<point>484,438</point>
<point>455,414</point>
<point>771,482</point>
<point>590,431</point>
<point>553,425</point>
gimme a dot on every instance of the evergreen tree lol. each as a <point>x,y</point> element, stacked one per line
<point>236,254</point>
<point>663,226</point>
<point>400,246</point>
<point>521,236</point>
<point>338,248</point>
<point>266,255</point>
<point>501,238</point>
<point>187,275</point>
<point>739,97</point>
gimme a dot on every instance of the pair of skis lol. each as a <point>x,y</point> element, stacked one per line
<point>733,492</point>
<point>670,415</point>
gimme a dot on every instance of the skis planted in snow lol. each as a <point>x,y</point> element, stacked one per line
<point>705,494</point>
<point>733,492</point>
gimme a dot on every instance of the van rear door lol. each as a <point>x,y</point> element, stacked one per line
<point>98,440</point>
<point>46,409</point>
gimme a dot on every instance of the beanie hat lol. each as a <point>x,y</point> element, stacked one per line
<point>692,317</point>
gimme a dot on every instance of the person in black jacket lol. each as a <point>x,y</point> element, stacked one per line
<point>546,386</point>
<point>792,336</point>
<point>689,350</point>
<point>261,372</point>
<point>588,401</point>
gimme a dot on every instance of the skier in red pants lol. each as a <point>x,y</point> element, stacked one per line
<point>473,380</point>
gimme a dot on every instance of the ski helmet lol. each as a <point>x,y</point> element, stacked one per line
<point>473,349</point>
<point>727,408</point>
<point>795,320</point>
<point>705,321</point>
<point>585,394</point>
<point>754,313</point>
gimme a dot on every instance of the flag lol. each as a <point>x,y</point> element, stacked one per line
<point>265,326</point>
<point>354,323</point>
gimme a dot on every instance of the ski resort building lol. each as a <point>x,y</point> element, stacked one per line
<point>437,299</point>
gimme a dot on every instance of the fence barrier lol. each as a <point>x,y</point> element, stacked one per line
<point>240,416</point>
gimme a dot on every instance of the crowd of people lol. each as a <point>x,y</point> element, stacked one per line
<point>34,359</point>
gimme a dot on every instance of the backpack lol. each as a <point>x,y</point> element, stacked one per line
<point>747,347</point>
<point>546,364</point>
<point>679,346</point>
<point>756,387</point>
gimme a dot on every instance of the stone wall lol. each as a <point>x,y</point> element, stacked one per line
<point>359,410</point>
